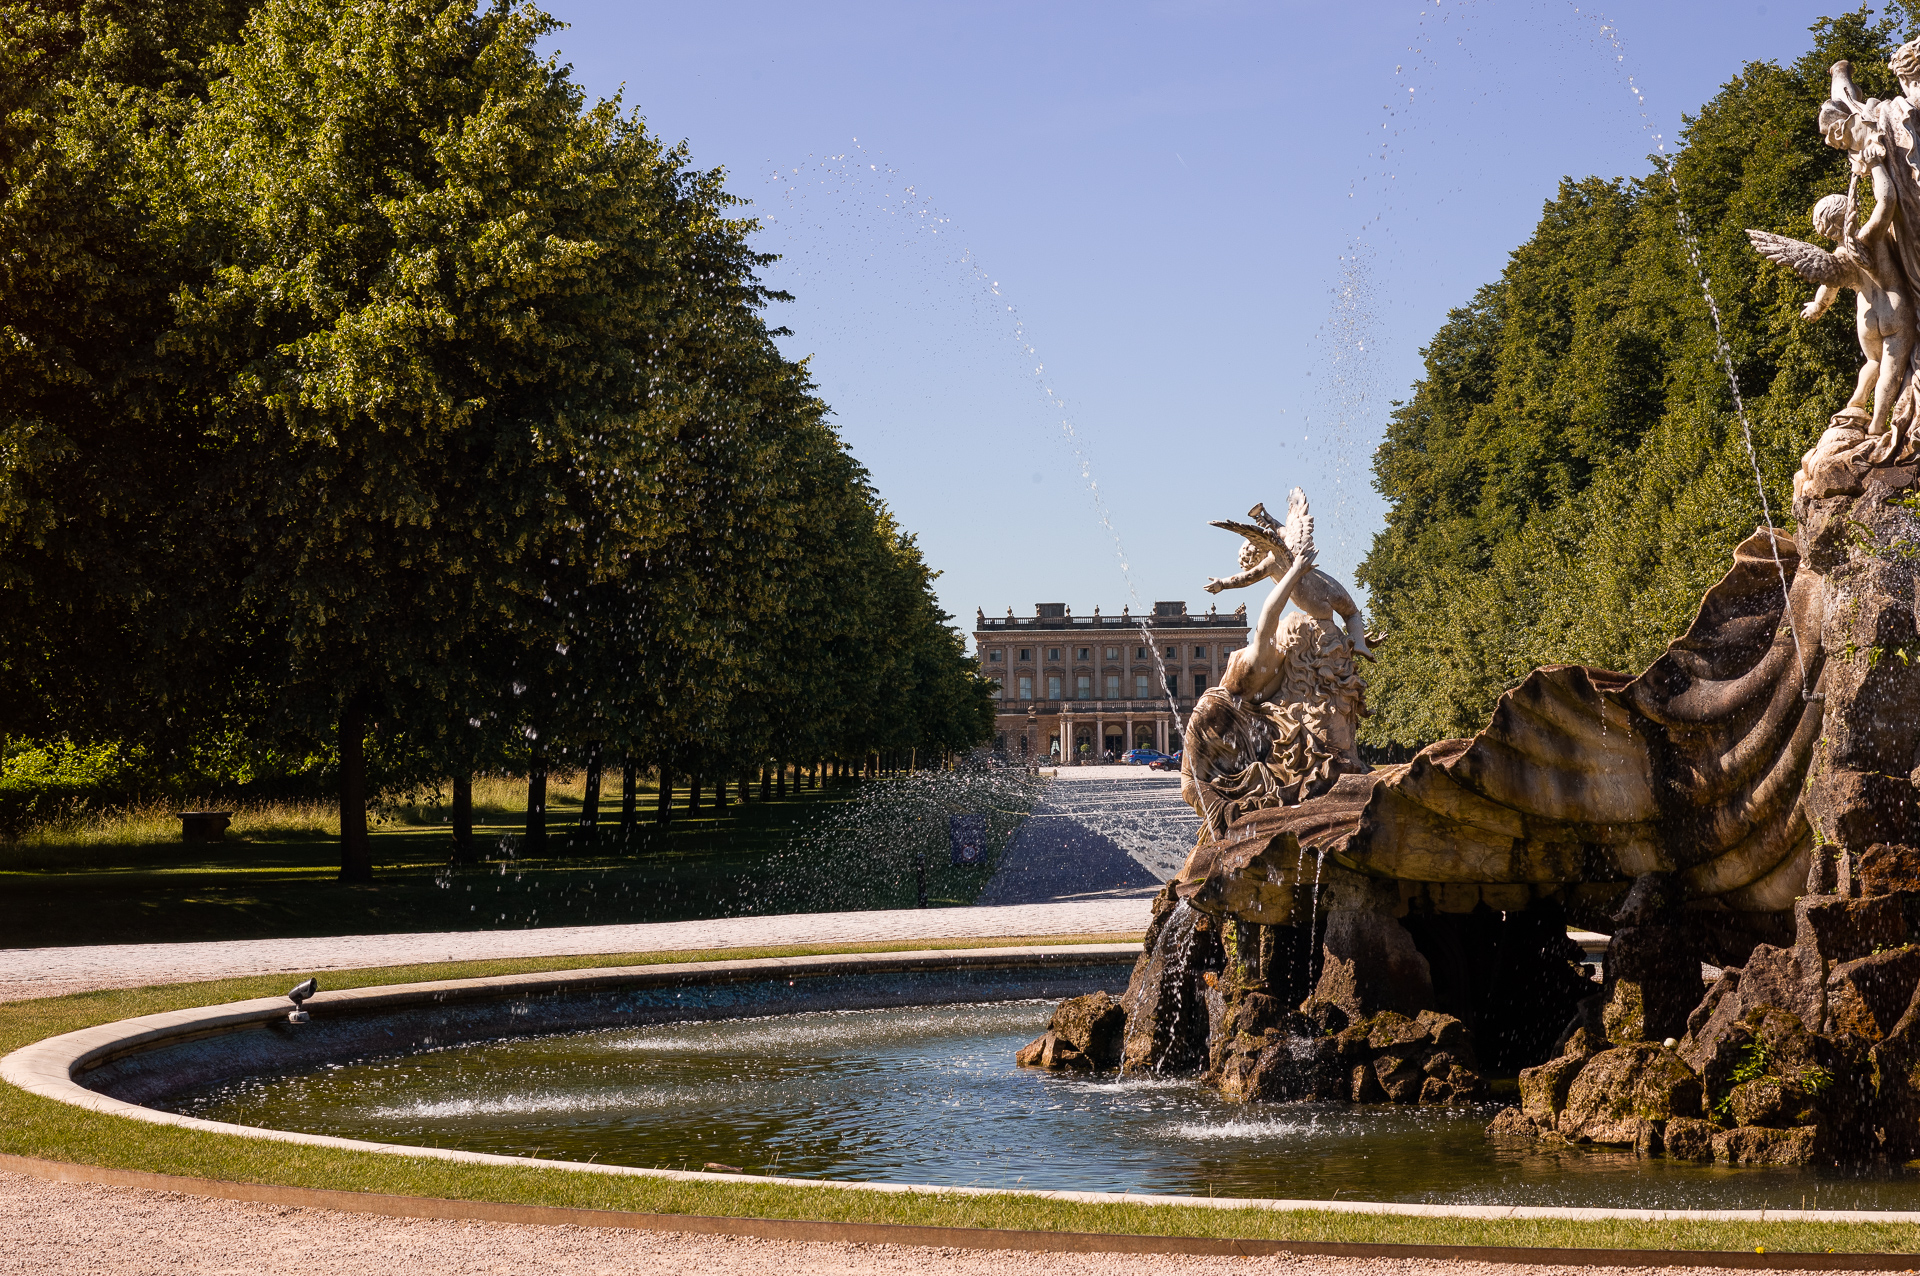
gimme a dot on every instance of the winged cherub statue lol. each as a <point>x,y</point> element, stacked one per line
<point>1280,726</point>
<point>1866,263</point>
<point>1268,552</point>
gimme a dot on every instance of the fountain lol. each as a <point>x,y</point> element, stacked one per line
<point>1744,807</point>
<point>1385,949</point>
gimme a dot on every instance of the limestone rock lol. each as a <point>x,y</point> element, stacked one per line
<point>1845,929</point>
<point>1513,1123</point>
<point>1054,1053</point>
<point>1446,1032</point>
<point>1543,1089</point>
<point>1391,1058</point>
<point>1370,964</point>
<point>1466,1085</point>
<point>1707,1026</point>
<point>1868,995</point>
<point>1619,1087</point>
<point>1653,980</point>
<point>1791,979</point>
<point>1888,869</point>
<point>1895,1072</point>
<point>1754,1145</point>
<point>1857,808</point>
<point>1772,1101</point>
<point>1688,1139</point>
<point>1388,1030</point>
<point>1399,1076</point>
<point>1093,1025</point>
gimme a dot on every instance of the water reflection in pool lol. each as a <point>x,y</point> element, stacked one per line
<point>931,1095</point>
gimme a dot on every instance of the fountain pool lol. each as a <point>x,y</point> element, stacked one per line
<point>930,1094</point>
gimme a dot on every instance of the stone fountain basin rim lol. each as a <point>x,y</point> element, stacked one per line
<point>48,1068</point>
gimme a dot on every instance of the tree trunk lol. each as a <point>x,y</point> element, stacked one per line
<point>766,782</point>
<point>537,802</point>
<point>720,793</point>
<point>663,812</point>
<point>780,783</point>
<point>693,795</point>
<point>463,818</point>
<point>629,781</point>
<point>589,827</point>
<point>356,850</point>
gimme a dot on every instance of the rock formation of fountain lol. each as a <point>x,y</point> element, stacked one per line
<point>1748,802</point>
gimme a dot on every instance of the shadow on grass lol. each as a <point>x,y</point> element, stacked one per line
<point>758,858</point>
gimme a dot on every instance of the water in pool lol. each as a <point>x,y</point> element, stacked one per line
<point>931,1095</point>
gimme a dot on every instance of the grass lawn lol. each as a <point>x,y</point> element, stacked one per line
<point>32,1126</point>
<point>848,846</point>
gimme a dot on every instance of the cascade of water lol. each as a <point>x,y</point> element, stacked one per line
<point>1177,940</point>
<point>1313,912</point>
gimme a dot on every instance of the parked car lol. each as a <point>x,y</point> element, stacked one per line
<point>1142,757</point>
<point>1167,764</point>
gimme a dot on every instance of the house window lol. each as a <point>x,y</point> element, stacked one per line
<point>1053,687</point>
<point>1113,653</point>
<point>1026,686</point>
<point>1026,654</point>
<point>999,688</point>
<point>1053,653</point>
<point>1083,687</point>
<point>1113,686</point>
<point>1173,686</point>
<point>1173,653</point>
<point>1199,684</point>
<point>1086,653</point>
<point>1139,653</point>
<point>1000,743</point>
<point>996,656</point>
<point>1199,653</point>
<point>1140,686</point>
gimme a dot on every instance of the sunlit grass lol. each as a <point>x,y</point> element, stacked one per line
<point>67,839</point>
<point>496,799</point>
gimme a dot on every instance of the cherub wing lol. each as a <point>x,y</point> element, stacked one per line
<point>1258,535</point>
<point>1299,532</point>
<point>1812,263</point>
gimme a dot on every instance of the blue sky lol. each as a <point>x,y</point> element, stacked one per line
<point>1077,278</point>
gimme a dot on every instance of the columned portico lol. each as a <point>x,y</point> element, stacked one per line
<point>1046,656</point>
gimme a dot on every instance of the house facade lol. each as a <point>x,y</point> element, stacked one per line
<point>1080,687</point>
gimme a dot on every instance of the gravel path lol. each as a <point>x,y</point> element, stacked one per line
<point>1098,832</point>
<point>53,1229</point>
<point>48,972</point>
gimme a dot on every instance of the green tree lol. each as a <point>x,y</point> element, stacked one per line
<point>1569,477</point>
<point>113,594</point>
<point>447,299</point>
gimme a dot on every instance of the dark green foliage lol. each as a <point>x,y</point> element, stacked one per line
<point>1569,477</point>
<point>365,384</point>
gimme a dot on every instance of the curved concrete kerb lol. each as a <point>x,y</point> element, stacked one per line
<point>150,1052</point>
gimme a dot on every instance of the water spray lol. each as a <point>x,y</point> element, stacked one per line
<point>1692,243</point>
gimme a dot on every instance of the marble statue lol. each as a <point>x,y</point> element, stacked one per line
<point>1280,727</point>
<point>1880,261</point>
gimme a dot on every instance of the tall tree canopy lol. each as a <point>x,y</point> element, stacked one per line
<point>368,373</point>
<point>1569,476</point>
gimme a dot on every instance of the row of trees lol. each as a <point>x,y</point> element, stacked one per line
<point>363,381</point>
<point>1569,476</point>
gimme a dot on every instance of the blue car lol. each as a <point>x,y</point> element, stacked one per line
<point>1142,757</point>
